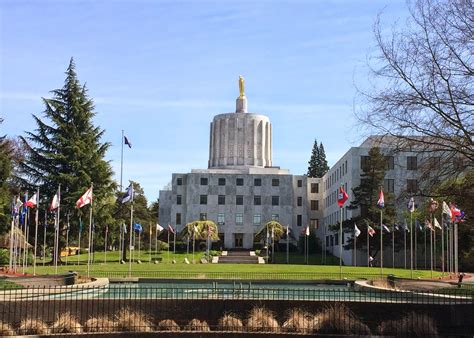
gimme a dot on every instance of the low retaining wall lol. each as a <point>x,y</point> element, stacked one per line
<point>50,280</point>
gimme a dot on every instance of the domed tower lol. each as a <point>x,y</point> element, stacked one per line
<point>240,139</point>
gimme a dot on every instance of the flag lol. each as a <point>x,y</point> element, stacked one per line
<point>85,199</point>
<point>405,226</point>
<point>342,197</point>
<point>126,141</point>
<point>307,230</point>
<point>432,205</point>
<point>370,231</point>
<point>446,210</point>
<point>411,204</point>
<point>396,227</point>
<point>159,228</point>
<point>32,202</point>
<point>55,202</point>
<point>16,205</point>
<point>128,194</point>
<point>137,227</point>
<point>455,212</point>
<point>124,228</point>
<point>418,225</point>
<point>381,201</point>
<point>384,227</point>
<point>287,231</point>
<point>429,225</point>
<point>436,224</point>
<point>356,230</point>
<point>170,229</point>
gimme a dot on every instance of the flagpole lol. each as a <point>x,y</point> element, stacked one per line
<point>79,240</point>
<point>131,234</point>
<point>287,244</point>
<point>36,231</point>
<point>194,237</point>
<point>25,239</point>
<point>121,162</point>
<point>393,246</point>
<point>10,263</point>
<point>174,242</point>
<point>105,246</point>
<point>58,212</point>
<point>381,244</point>
<point>456,249</point>
<point>442,244</point>
<point>67,238</point>
<point>340,244</point>
<point>431,246</point>
<point>355,248</point>
<point>434,244</point>
<point>151,233</point>
<point>156,241</point>
<point>44,233</point>
<point>168,244</point>
<point>368,248</point>
<point>411,244</point>
<point>425,245</point>
<point>405,244</point>
<point>416,247</point>
<point>90,237</point>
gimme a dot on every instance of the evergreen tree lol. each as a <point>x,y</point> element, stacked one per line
<point>314,161</point>
<point>323,163</point>
<point>5,171</point>
<point>66,149</point>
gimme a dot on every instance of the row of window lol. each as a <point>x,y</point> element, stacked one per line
<point>332,240</point>
<point>336,175</point>
<point>238,181</point>
<point>314,186</point>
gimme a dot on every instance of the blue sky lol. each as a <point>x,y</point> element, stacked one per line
<point>161,70</point>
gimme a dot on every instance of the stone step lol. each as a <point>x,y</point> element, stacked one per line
<point>238,259</point>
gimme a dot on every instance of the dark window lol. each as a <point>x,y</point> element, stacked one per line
<point>178,199</point>
<point>299,201</point>
<point>178,218</point>
<point>389,163</point>
<point>412,186</point>
<point>239,200</point>
<point>275,182</point>
<point>275,217</point>
<point>336,239</point>
<point>257,200</point>
<point>389,185</point>
<point>275,200</point>
<point>203,199</point>
<point>299,220</point>
<point>257,182</point>
<point>221,181</point>
<point>364,163</point>
<point>300,183</point>
<point>412,163</point>
<point>239,181</point>
<point>221,199</point>
<point>327,241</point>
<point>179,181</point>
<point>314,205</point>
<point>204,180</point>
<point>332,240</point>
<point>203,216</point>
<point>314,223</point>
<point>314,188</point>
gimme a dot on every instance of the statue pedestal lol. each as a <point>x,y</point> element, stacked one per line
<point>241,105</point>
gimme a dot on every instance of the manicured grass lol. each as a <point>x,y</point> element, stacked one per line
<point>169,270</point>
<point>6,284</point>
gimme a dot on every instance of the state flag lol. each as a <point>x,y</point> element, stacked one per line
<point>85,199</point>
<point>126,141</point>
<point>33,201</point>
<point>429,225</point>
<point>307,230</point>
<point>170,229</point>
<point>436,224</point>
<point>159,228</point>
<point>128,194</point>
<point>385,228</point>
<point>446,210</point>
<point>381,201</point>
<point>56,202</point>
<point>342,197</point>
<point>370,231</point>
<point>356,230</point>
<point>411,204</point>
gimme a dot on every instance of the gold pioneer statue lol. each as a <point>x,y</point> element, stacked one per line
<point>241,86</point>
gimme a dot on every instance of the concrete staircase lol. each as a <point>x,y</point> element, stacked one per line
<point>238,257</point>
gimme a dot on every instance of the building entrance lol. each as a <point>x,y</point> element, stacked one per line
<point>238,241</point>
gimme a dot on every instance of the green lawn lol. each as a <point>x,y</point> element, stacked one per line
<point>244,271</point>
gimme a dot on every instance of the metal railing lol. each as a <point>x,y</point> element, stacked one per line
<point>236,307</point>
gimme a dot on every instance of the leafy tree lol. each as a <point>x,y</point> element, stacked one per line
<point>66,149</point>
<point>5,197</point>
<point>318,164</point>
<point>278,231</point>
<point>365,200</point>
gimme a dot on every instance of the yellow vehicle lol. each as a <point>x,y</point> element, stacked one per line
<point>69,251</point>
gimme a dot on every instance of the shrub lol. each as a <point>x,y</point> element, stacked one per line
<point>298,320</point>
<point>99,324</point>
<point>168,325</point>
<point>413,324</point>
<point>230,322</point>
<point>66,323</point>
<point>31,326</point>
<point>132,321</point>
<point>339,319</point>
<point>262,319</point>
<point>197,325</point>
<point>6,330</point>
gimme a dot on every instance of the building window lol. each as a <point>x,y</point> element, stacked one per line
<point>327,241</point>
<point>300,183</point>
<point>257,200</point>
<point>314,223</point>
<point>346,166</point>
<point>299,201</point>
<point>221,181</point>
<point>412,186</point>
<point>275,182</point>
<point>239,200</point>
<point>179,181</point>
<point>221,199</point>
<point>178,199</point>
<point>275,217</point>
<point>257,182</point>
<point>275,200</point>
<point>178,218</point>
<point>239,219</point>
<point>204,181</point>
<point>203,199</point>
<point>364,163</point>
<point>257,219</point>
<point>332,240</point>
<point>203,216</point>
<point>336,239</point>
<point>299,220</point>
<point>389,185</point>
<point>314,205</point>
<point>314,188</point>
<point>412,163</point>
<point>389,163</point>
<point>220,219</point>
<point>239,181</point>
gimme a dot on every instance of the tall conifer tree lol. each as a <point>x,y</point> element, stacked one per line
<point>66,149</point>
<point>314,161</point>
<point>323,163</point>
<point>5,171</point>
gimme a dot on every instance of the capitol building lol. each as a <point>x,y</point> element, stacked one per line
<point>241,189</point>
